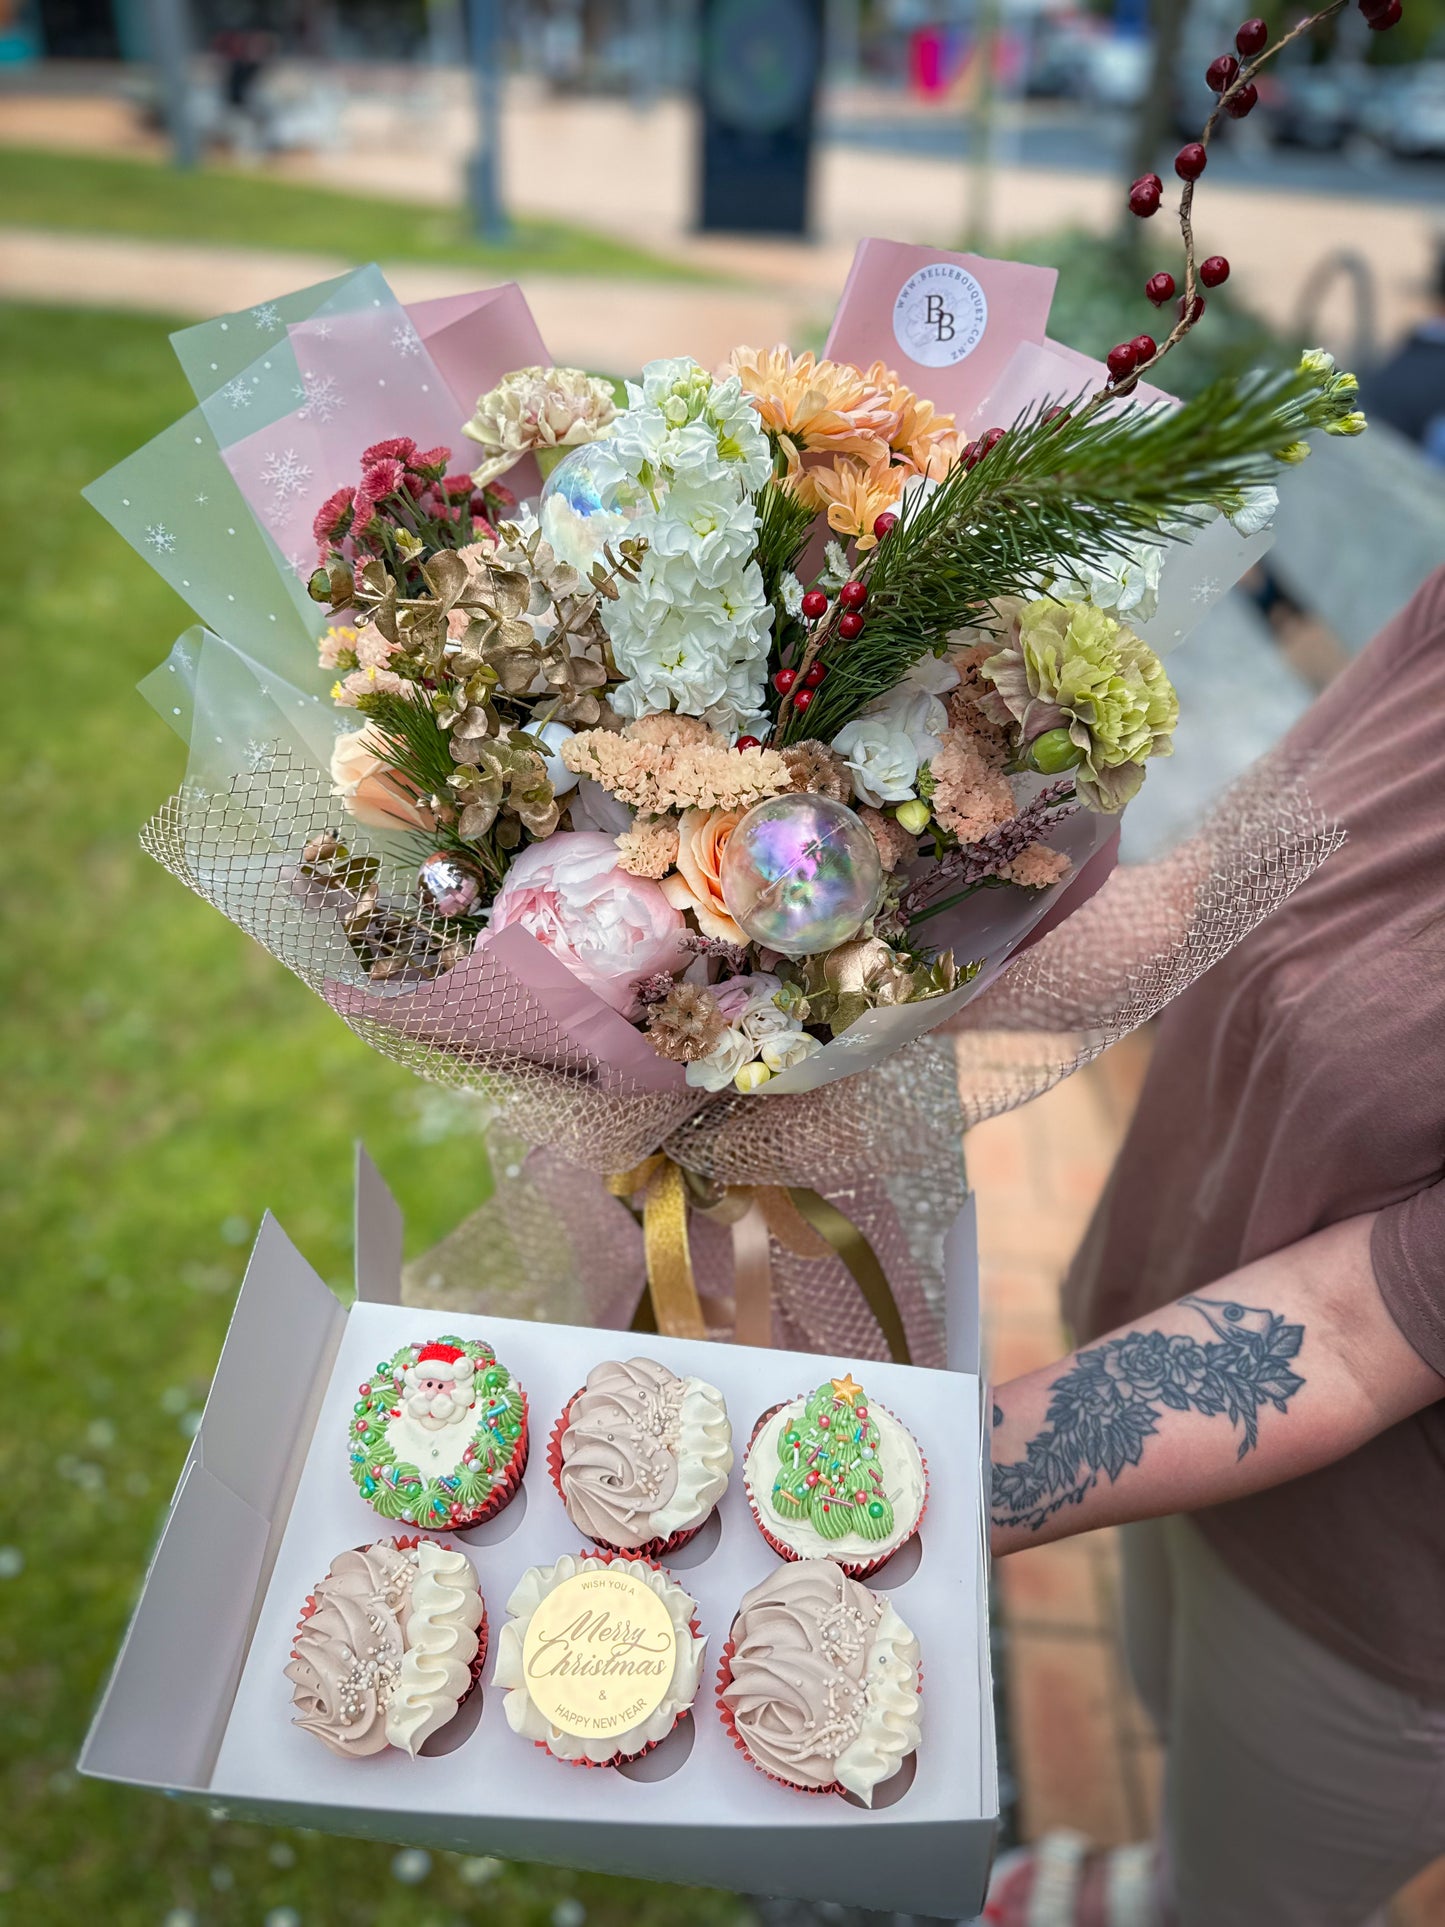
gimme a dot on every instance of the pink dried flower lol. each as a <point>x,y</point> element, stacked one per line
<point>970,798</point>
<point>336,641</point>
<point>1038,867</point>
<point>373,651</point>
<point>895,845</point>
<point>457,488</point>
<point>499,497</point>
<point>668,730</point>
<point>649,848</point>
<point>333,518</point>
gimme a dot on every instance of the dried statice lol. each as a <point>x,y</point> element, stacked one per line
<point>820,771</point>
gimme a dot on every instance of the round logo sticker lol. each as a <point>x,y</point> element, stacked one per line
<point>940,315</point>
<point>599,1653</point>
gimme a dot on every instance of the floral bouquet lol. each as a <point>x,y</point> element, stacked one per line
<point>653,761</point>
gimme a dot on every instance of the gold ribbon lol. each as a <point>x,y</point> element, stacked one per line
<point>800,1219</point>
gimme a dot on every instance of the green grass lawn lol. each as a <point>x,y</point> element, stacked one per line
<point>165,1083</point>
<point>99,195</point>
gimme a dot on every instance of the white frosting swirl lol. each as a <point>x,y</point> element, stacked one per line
<point>523,1715</point>
<point>440,1632</point>
<point>889,1729</point>
<point>905,1483</point>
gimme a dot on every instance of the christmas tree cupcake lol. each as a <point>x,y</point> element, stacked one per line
<point>390,1643</point>
<point>439,1435</point>
<point>819,1683</point>
<point>641,1456</point>
<point>833,1475</point>
<point>600,1659</point>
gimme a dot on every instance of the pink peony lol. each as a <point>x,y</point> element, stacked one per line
<point>607,927</point>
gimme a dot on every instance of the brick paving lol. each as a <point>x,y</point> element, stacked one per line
<point>1082,1750</point>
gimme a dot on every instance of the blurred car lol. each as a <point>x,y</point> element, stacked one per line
<point>1314,107</point>
<point>1407,114</point>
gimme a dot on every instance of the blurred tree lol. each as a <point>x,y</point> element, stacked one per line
<point>1152,127</point>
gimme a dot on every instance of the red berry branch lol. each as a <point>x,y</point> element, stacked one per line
<point>1233,80</point>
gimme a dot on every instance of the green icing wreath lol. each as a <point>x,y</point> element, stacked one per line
<point>399,1490</point>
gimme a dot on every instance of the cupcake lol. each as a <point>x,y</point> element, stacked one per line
<point>391,1642</point>
<point>819,1683</point>
<point>600,1658</point>
<point>439,1436</point>
<point>641,1456</point>
<point>834,1476</point>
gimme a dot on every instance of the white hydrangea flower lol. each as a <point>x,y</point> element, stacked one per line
<point>1123,586</point>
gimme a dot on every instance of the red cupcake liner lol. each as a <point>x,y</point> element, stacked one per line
<point>729,1720</point>
<point>479,1658</point>
<point>855,1569</point>
<point>652,1549</point>
<point>606,1556</point>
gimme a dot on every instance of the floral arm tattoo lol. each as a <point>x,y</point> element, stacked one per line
<point>1109,1403</point>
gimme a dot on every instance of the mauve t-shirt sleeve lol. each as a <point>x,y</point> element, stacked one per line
<point>1407,1249</point>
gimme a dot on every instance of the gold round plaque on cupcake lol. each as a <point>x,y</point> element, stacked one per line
<point>599,1652</point>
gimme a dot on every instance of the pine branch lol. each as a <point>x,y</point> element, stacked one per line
<point>1052,495</point>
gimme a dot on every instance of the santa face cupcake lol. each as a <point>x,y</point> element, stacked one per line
<point>390,1644</point>
<point>439,1435</point>
<point>600,1658</point>
<point>834,1476</point>
<point>641,1456</point>
<point>819,1683</point>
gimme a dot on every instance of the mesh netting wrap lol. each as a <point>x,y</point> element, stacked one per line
<point>884,1146</point>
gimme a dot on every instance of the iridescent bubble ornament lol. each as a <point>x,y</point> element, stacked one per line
<point>801,873</point>
<point>447,886</point>
<point>585,504</point>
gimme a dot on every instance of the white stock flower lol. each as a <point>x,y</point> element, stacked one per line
<point>1254,509</point>
<point>882,759</point>
<point>1122,586</point>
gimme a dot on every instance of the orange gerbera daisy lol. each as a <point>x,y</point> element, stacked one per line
<point>856,493</point>
<point>812,404</point>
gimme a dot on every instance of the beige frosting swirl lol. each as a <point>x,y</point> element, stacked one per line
<point>348,1653</point>
<point>824,1687</point>
<point>644,1453</point>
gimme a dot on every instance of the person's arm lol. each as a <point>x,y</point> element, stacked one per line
<point>1281,1367</point>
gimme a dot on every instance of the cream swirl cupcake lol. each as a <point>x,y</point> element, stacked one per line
<point>600,1658</point>
<point>819,1684</point>
<point>390,1644</point>
<point>641,1456</point>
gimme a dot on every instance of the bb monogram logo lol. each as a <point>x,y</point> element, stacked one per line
<point>940,315</point>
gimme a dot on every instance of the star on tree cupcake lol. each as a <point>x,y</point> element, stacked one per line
<point>438,1437</point>
<point>833,1475</point>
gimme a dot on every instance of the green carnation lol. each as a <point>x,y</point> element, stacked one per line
<point>1067,665</point>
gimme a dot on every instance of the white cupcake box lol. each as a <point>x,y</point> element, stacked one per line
<point>198,1705</point>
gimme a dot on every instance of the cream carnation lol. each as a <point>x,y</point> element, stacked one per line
<point>536,408</point>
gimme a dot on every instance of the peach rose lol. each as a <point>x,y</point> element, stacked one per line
<point>372,792</point>
<point>702,838</point>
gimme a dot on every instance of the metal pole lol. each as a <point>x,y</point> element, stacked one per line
<point>168,32</point>
<point>484,169</point>
<point>979,224</point>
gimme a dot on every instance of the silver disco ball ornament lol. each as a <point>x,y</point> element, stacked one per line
<point>801,874</point>
<point>447,886</point>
